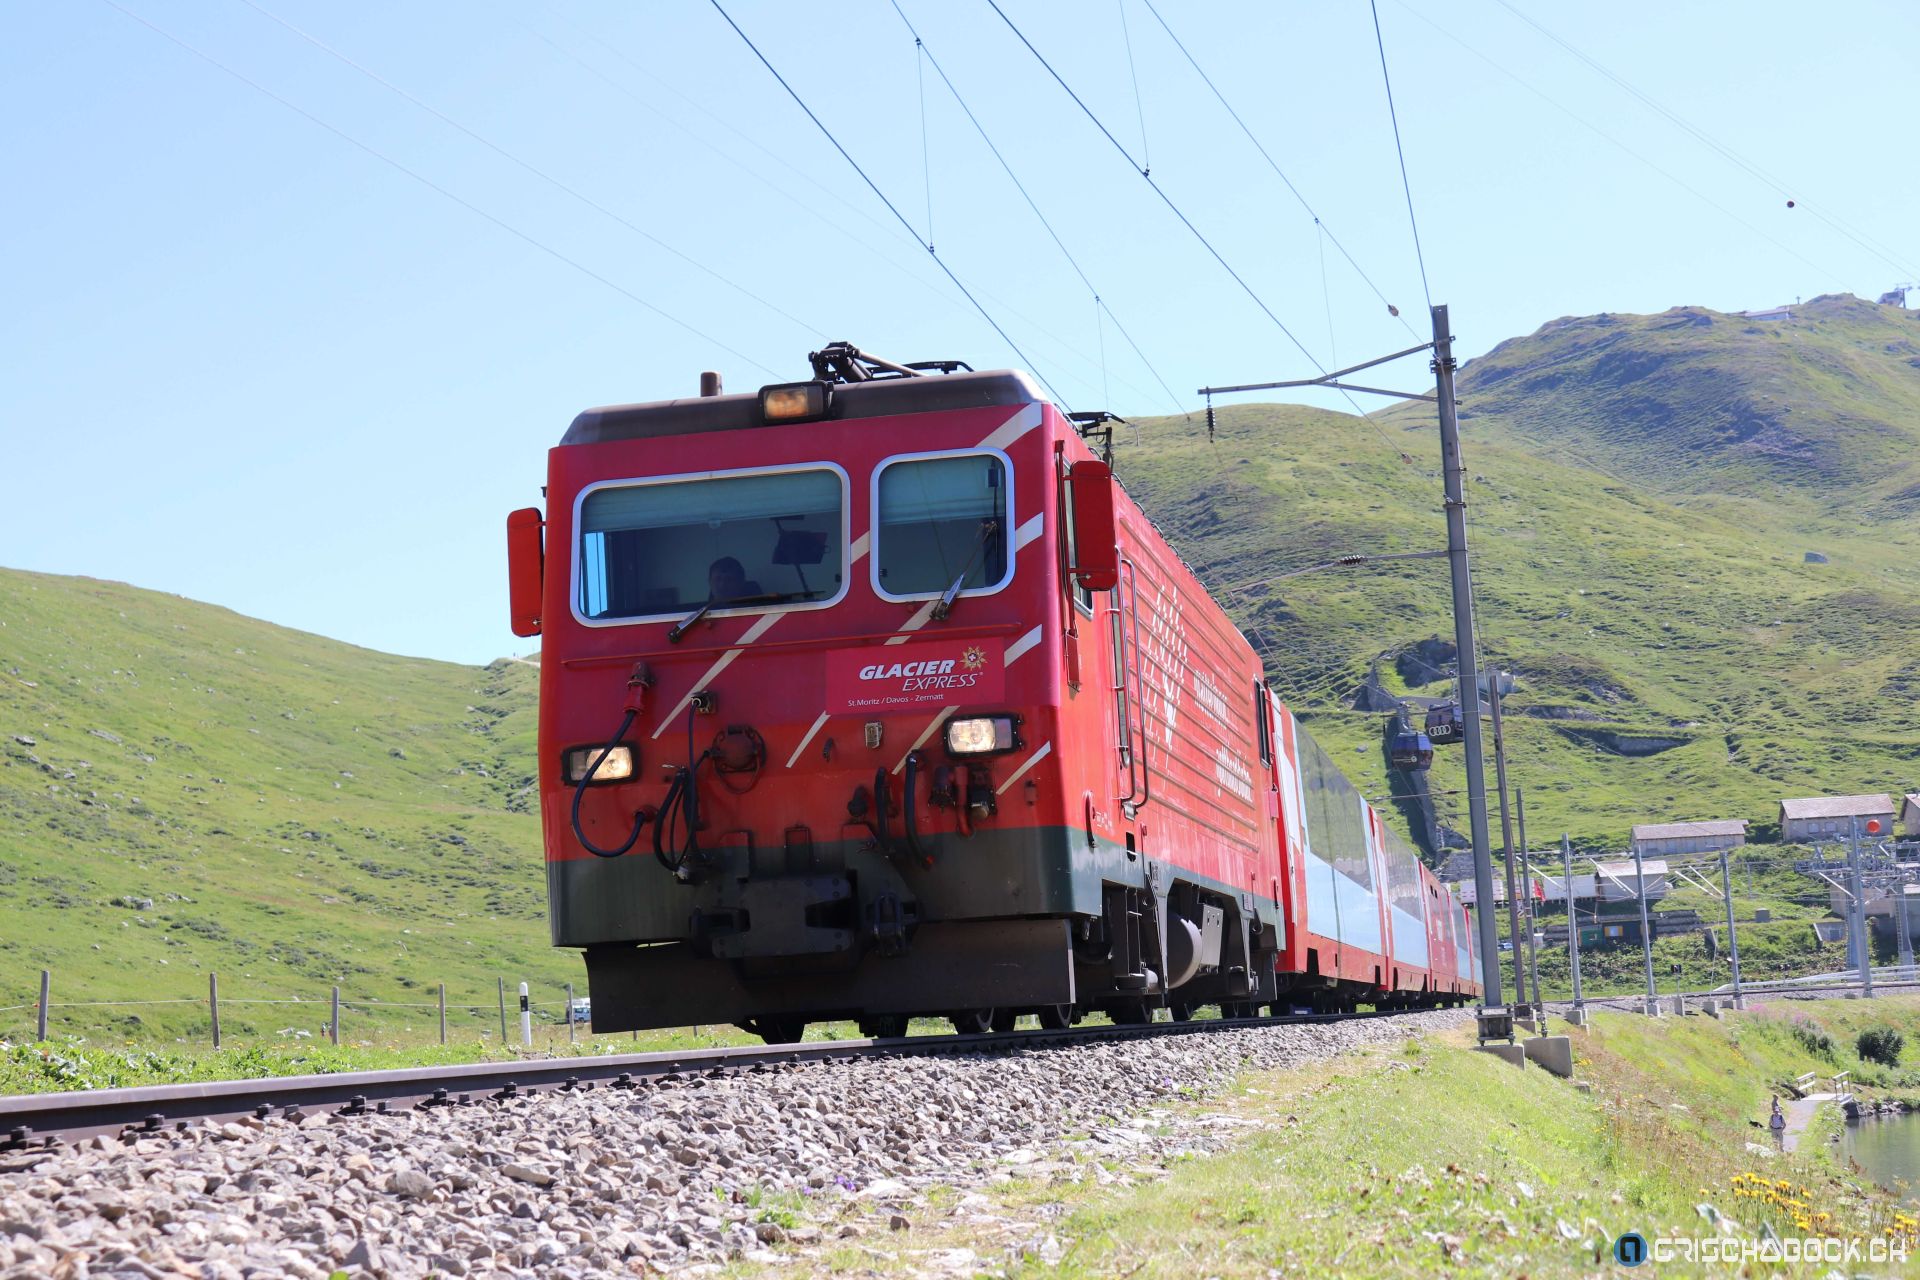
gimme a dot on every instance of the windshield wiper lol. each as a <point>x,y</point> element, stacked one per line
<point>686,624</point>
<point>945,607</point>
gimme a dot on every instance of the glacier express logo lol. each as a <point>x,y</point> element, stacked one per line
<point>973,659</point>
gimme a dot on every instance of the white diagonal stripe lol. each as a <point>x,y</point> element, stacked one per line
<point>1046,749</point>
<point>804,741</point>
<point>925,733</point>
<point>1021,645</point>
<point>859,548</point>
<point>1029,531</point>
<point>917,621</point>
<point>752,633</point>
<point>1013,428</point>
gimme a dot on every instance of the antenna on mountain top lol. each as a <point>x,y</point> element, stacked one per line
<point>1896,296</point>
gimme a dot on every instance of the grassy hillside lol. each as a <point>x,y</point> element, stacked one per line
<point>183,789</point>
<point>1641,569</point>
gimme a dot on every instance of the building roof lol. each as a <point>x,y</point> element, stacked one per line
<point>1683,830</point>
<point>1834,807</point>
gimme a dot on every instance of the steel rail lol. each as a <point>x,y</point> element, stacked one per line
<point>43,1120</point>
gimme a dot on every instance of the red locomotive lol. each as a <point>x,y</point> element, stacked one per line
<point>875,696</point>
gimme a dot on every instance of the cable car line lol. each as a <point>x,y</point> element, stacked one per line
<point>1165,198</point>
<point>1278,171</point>
<point>1861,238</point>
<point>874,187</point>
<point>1387,78</point>
<point>1595,129</point>
<point>537,172</point>
<point>1021,187</point>
<point>429,183</point>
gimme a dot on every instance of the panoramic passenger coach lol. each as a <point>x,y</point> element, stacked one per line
<point>874,696</point>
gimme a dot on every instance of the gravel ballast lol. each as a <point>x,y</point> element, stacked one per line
<point>613,1182</point>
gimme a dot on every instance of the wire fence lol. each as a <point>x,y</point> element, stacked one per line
<point>516,1014</point>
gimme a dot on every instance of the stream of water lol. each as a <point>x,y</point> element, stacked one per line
<point>1888,1148</point>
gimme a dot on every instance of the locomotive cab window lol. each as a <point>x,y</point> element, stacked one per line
<point>941,519</point>
<point>739,542</point>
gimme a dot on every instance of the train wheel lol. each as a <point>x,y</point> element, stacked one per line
<point>780,1030</point>
<point>884,1026</point>
<point>972,1022</point>
<point>1056,1017</point>
<point>1181,1011</point>
<point>1130,1012</point>
<point>1003,1019</point>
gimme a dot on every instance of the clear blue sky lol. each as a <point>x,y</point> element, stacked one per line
<point>250,362</point>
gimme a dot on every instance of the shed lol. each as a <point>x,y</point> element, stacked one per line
<point>1617,884</point>
<point>1689,837</point>
<point>1832,817</point>
<point>1910,815</point>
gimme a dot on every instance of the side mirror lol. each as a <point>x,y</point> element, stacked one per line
<point>1096,565</point>
<point>526,569</point>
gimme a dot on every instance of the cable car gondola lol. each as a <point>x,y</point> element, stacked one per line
<point>1444,726</point>
<point>1412,751</point>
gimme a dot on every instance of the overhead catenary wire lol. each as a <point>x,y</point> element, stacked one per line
<point>891,207</point>
<point>1007,168</point>
<point>1280,173</point>
<point>869,246</point>
<point>1386,77</point>
<point>431,185</point>
<point>1187,222</point>
<point>1139,107</point>
<point>531,168</point>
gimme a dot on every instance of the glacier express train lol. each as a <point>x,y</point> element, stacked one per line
<point>875,696</point>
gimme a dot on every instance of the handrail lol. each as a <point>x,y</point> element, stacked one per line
<point>1139,676</point>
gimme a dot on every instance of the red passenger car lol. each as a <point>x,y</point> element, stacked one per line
<point>875,696</point>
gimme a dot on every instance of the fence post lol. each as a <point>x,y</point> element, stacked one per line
<point>526,1019</point>
<point>570,1035</point>
<point>46,988</point>
<point>213,1005</point>
<point>503,1011</point>
<point>443,1013</point>
<point>333,1026</point>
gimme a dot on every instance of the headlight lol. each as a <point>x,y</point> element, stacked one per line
<point>980,735</point>
<point>617,767</point>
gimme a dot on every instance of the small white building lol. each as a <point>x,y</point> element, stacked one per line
<point>1910,815</point>
<point>1617,883</point>
<point>1833,817</point>
<point>1652,839</point>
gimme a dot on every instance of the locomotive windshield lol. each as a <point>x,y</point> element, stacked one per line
<point>939,520</point>
<point>659,548</point>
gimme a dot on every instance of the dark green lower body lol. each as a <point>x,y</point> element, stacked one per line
<point>1013,919</point>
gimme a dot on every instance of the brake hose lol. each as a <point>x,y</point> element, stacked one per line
<point>681,805</point>
<point>580,789</point>
<point>911,820</point>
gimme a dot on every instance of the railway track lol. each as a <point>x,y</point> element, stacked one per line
<point>38,1121</point>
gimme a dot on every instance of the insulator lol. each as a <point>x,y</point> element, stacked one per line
<point>1209,423</point>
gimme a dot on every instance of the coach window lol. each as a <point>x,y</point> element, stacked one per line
<point>941,519</point>
<point>742,542</point>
